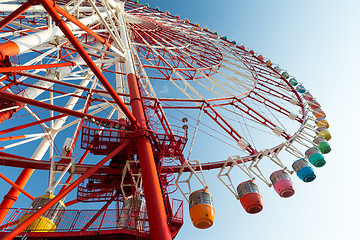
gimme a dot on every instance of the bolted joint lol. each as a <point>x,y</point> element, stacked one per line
<point>142,133</point>
<point>34,2</point>
<point>59,22</point>
<point>10,197</point>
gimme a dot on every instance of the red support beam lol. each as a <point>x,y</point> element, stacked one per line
<point>49,6</point>
<point>16,186</point>
<point>159,228</point>
<point>93,219</point>
<point>15,14</point>
<point>258,117</point>
<point>11,197</point>
<point>32,67</point>
<point>272,91</point>
<point>80,25</point>
<point>67,84</point>
<point>49,106</point>
<point>25,175</point>
<point>61,83</point>
<point>11,160</point>
<point>267,102</point>
<point>56,199</point>
<point>227,127</point>
<point>13,129</point>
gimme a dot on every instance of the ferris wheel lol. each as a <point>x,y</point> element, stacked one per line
<point>109,101</point>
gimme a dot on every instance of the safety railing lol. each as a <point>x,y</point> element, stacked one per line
<point>78,220</point>
<point>86,220</point>
<point>178,209</point>
<point>104,141</point>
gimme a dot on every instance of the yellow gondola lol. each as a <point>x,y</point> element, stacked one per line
<point>48,221</point>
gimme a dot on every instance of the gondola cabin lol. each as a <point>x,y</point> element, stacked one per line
<point>323,132</point>
<point>319,113</point>
<point>315,157</point>
<point>285,75</point>
<point>250,197</point>
<point>300,88</point>
<point>282,183</point>
<point>322,145</point>
<point>314,104</point>
<point>308,96</point>
<point>48,221</point>
<point>201,208</point>
<point>277,68</point>
<point>322,122</point>
<point>293,82</point>
<point>304,170</point>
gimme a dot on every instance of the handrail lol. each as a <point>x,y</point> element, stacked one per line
<point>73,220</point>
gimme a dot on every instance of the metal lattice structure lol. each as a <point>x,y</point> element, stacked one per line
<point>89,82</point>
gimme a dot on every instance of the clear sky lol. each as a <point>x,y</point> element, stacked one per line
<point>318,43</point>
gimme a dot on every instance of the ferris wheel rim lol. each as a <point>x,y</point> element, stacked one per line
<point>243,96</point>
<point>252,72</point>
<point>254,87</point>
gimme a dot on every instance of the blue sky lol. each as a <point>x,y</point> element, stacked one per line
<point>317,42</point>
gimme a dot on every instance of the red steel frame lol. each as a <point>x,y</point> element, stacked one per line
<point>16,13</point>
<point>159,228</point>
<point>62,194</point>
<point>153,195</point>
<point>155,203</point>
<point>11,197</point>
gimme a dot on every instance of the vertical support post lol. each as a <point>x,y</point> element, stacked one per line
<point>159,228</point>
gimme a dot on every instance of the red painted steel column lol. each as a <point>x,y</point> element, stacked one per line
<point>15,14</point>
<point>11,197</point>
<point>159,228</point>
<point>16,186</point>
